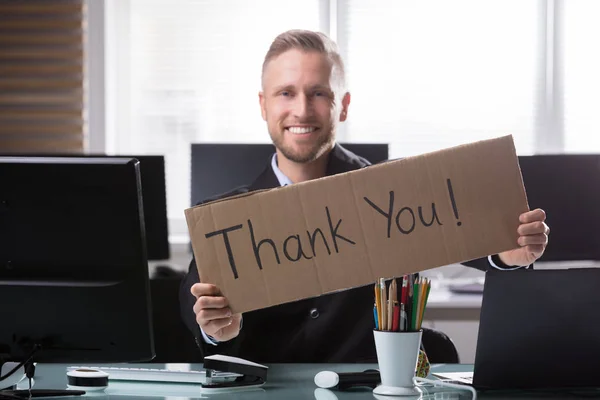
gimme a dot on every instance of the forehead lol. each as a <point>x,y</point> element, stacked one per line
<point>296,67</point>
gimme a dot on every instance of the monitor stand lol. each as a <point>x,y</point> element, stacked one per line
<point>29,368</point>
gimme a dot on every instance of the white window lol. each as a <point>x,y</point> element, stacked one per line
<point>431,74</point>
<point>423,74</point>
<point>581,44</point>
<point>186,71</point>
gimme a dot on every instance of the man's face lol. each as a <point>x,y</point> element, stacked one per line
<point>301,104</point>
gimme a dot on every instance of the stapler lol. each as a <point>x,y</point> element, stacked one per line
<point>251,375</point>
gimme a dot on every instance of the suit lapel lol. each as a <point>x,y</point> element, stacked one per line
<point>266,180</point>
<point>339,162</point>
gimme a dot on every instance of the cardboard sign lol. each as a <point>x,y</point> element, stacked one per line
<point>344,231</point>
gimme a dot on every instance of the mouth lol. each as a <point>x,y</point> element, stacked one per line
<point>301,130</point>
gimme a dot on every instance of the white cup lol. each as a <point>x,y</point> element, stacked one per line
<point>397,356</point>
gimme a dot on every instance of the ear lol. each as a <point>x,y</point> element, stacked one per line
<point>345,105</point>
<point>263,110</point>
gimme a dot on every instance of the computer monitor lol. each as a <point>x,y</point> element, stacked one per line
<point>220,167</point>
<point>567,187</point>
<point>154,193</point>
<point>73,264</point>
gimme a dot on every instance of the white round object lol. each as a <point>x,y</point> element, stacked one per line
<point>87,379</point>
<point>325,394</point>
<point>327,379</point>
<point>412,391</point>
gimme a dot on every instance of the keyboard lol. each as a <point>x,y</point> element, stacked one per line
<point>456,377</point>
<point>159,375</point>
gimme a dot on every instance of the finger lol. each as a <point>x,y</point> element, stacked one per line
<point>213,327</point>
<point>205,289</point>
<point>533,228</point>
<point>208,314</point>
<point>210,302</point>
<point>230,331</point>
<point>530,216</point>
<point>536,249</point>
<point>540,239</point>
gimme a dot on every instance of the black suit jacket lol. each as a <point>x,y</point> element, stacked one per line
<point>331,328</point>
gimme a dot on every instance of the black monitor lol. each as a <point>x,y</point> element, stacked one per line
<point>73,265</point>
<point>154,193</point>
<point>220,167</point>
<point>567,187</point>
<point>152,171</point>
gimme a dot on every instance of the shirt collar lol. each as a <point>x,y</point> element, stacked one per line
<point>283,180</point>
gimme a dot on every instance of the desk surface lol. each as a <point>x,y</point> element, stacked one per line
<point>285,381</point>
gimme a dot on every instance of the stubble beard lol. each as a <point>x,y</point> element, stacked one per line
<point>324,143</point>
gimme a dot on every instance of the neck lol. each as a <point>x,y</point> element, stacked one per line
<point>301,172</point>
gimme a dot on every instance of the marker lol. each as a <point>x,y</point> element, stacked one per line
<point>345,380</point>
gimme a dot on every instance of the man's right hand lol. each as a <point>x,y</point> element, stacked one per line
<point>213,313</point>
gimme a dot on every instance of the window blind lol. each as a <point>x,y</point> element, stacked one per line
<point>42,76</point>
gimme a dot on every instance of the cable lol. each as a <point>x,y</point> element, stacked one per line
<point>6,396</point>
<point>12,371</point>
<point>440,383</point>
<point>30,369</point>
<point>27,359</point>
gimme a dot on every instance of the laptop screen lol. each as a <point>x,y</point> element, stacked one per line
<point>539,329</point>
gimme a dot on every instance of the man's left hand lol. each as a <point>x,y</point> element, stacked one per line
<point>533,238</point>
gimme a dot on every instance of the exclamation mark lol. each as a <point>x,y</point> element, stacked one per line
<point>451,192</point>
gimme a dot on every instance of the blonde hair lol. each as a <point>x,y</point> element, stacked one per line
<point>308,41</point>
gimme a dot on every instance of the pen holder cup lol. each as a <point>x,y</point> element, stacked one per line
<point>397,355</point>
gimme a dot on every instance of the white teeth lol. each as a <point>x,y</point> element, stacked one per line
<point>300,130</point>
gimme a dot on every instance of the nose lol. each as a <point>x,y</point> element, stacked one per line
<point>302,106</point>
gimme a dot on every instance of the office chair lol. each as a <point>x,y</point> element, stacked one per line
<point>439,347</point>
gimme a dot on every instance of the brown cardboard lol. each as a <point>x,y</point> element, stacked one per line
<point>476,191</point>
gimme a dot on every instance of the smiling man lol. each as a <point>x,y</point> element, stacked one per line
<point>303,99</point>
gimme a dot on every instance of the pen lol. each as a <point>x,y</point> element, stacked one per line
<point>422,287</point>
<point>391,300</point>
<point>425,295</point>
<point>377,305</point>
<point>402,318</point>
<point>396,318</point>
<point>409,301</point>
<point>403,298</point>
<point>383,320</point>
<point>375,316</point>
<point>415,306</point>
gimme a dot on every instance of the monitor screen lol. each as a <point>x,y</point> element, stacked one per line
<point>567,187</point>
<point>73,264</point>
<point>154,195</point>
<point>220,167</point>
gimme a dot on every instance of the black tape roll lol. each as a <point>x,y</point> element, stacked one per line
<point>87,379</point>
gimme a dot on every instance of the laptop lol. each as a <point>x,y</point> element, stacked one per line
<point>538,329</point>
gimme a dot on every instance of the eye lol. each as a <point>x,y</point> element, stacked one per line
<point>285,93</point>
<point>319,94</point>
